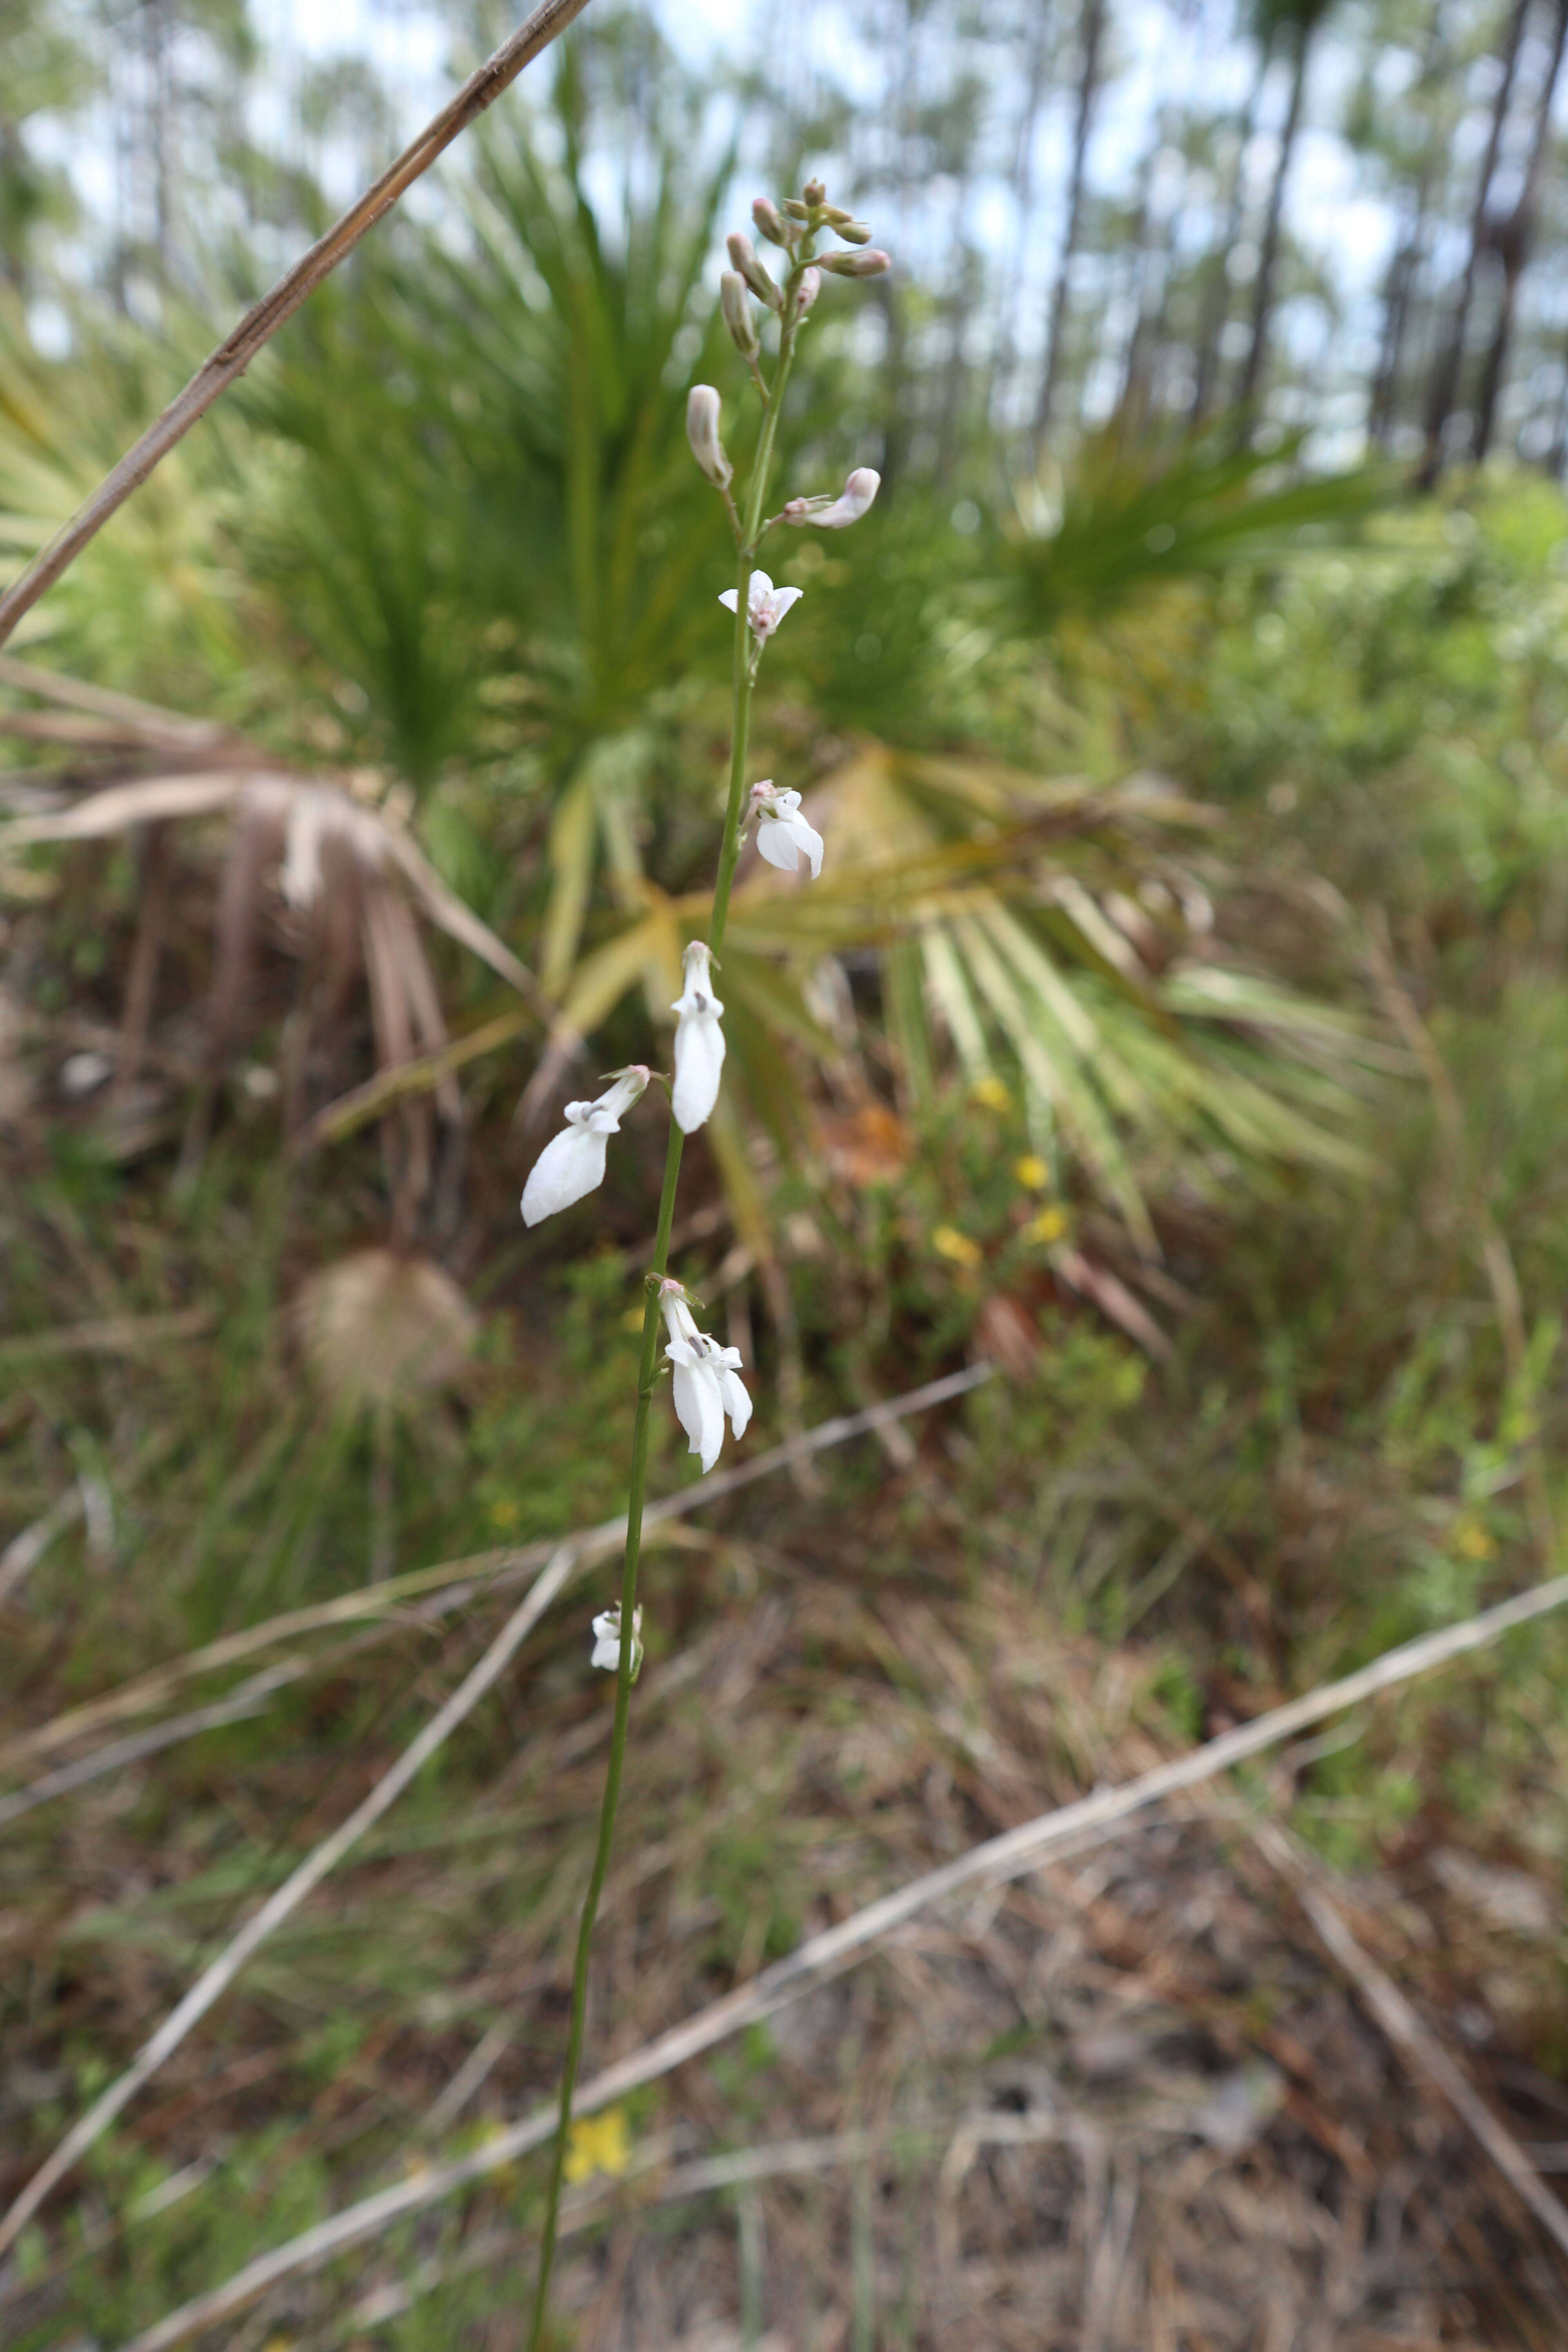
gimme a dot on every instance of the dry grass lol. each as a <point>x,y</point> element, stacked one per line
<point>1124,2103</point>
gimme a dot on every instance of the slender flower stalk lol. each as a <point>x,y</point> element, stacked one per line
<point>708,1386</point>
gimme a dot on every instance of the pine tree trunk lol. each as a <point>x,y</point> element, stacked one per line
<point>1268,256</point>
<point>1400,285</point>
<point>1216,293</point>
<point>1088,92</point>
<point>1444,386</point>
<point>1513,238</point>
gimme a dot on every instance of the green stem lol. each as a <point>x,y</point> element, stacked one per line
<point>744,676</point>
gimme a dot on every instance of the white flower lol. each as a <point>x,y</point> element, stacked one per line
<point>765,604</point>
<point>832,514</point>
<point>607,1640</point>
<point>706,1380</point>
<point>572,1163</point>
<point>699,1043</point>
<point>784,836</point>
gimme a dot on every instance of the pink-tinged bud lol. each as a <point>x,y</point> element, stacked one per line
<point>869,264</point>
<point>702,431</point>
<point>744,258</point>
<point>853,232</point>
<point>796,209</point>
<point>735,304</point>
<point>854,500</point>
<point>806,292</point>
<point>769,221</point>
<point>814,192</point>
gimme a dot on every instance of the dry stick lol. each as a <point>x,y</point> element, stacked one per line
<point>1010,1856</point>
<point>215,1981</point>
<point>490,1571</point>
<point>1413,2040</point>
<point>231,359</point>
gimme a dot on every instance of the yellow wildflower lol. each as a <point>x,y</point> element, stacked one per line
<point>1049,1226</point>
<point>598,2144</point>
<point>1032,1172</point>
<point>991,1093</point>
<point>1473,1540</point>
<point>950,1244</point>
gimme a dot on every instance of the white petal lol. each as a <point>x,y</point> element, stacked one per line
<point>807,839</point>
<point>680,1323</point>
<point>737,1403</point>
<point>762,586</point>
<point>730,599</point>
<point>699,1409</point>
<point>570,1167</point>
<point>775,842</point>
<point>698,1058</point>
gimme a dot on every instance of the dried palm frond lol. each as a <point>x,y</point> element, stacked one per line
<point>351,876</point>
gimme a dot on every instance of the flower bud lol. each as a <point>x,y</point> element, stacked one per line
<point>835,215</point>
<point>796,209</point>
<point>814,192</point>
<point>702,431</point>
<point>853,232</point>
<point>737,309</point>
<point>744,258</point>
<point>769,221</point>
<point>869,264</point>
<point>806,292</point>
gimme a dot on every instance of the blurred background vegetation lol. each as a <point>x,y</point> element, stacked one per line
<point>1179,1024</point>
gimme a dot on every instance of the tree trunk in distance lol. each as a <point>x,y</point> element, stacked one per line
<point>1445,374</point>
<point>1513,238</point>
<point>1268,256</point>
<point>1216,303</point>
<point>1088,92</point>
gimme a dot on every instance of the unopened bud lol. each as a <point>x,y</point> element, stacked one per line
<point>806,292</point>
<point>853,232</point>
<point>869,264</point>
<point>814,192</point>
<point>702,431</point>
<point>834,214</point>
<point>796,209</point>
<point>744,258</point>
<point>735,304</point>
<point>769,220</point>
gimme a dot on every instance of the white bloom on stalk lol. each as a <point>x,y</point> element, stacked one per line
<point>572,1163</point>
<point>832,514</point>
<point>702,431</point>
<point>784,836</point>
<point>765,604</point>
<point>607,1640</point>
<point>699,1043</point>
<point>706,1380</point>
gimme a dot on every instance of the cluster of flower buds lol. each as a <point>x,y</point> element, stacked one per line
<point>794,226</point>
